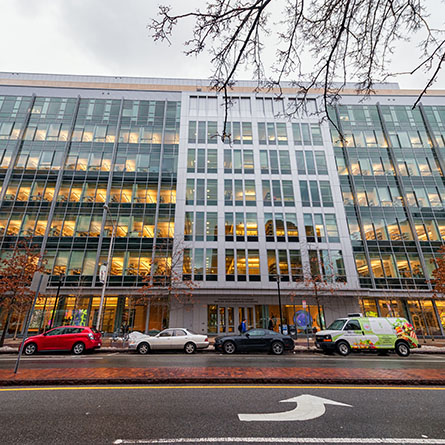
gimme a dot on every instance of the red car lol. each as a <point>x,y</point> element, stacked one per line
<point>64,338</point>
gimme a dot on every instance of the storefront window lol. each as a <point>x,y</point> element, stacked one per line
<point>423,317</point>
<point>441,311</point>
<point>369,307</point>
<point>392,308</point>
<point>212,318</point>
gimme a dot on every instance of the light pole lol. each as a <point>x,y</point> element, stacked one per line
<point>107,268</point>
<point>278,277</point>
<point>59,284</point>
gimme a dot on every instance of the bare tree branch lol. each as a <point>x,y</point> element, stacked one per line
<point>348,40</point>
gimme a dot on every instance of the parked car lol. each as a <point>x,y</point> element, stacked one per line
<point>76,339</point>
<point>173,338</point>
<point>373,334</point>
<point>255,340</point>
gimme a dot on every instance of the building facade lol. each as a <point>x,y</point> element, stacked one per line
<point>213,230</point>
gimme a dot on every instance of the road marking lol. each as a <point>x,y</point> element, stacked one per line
<point>303,440</point>
<point>308,408</point>
<point>84,388</point>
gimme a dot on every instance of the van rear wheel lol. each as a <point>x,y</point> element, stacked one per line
<point>343,348</point>
<point>402,349</point>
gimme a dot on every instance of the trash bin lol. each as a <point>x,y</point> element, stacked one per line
<point>293,331</point>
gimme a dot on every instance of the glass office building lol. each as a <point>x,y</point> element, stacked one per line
<point>220,228</point>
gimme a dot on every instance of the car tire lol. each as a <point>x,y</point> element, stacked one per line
<point>78,348</point>
<point>30,349</point>
<point>229,347</point>
<point>190,348</point>
<point>277,348</point>
<point>143,348</point>
<point>343,348</point>
<point>402,348</point>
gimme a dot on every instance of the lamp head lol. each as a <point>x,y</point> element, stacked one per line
<point>106,208</point>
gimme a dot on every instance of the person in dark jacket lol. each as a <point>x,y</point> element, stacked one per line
<point>271,323</point>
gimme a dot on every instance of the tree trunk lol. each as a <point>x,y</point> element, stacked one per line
<point>5,328</point>
<point>18,324</point>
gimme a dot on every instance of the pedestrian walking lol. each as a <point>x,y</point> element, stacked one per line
<point>243,326</point>
<point>271,324</point>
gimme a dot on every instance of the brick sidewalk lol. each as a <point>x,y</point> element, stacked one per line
<point>233,375</point>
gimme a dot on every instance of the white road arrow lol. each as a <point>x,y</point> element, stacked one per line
<point>308,407</point>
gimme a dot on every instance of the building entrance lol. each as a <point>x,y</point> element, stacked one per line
<point>230,317</point>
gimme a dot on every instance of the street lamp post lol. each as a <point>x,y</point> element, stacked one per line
<point>56,301</point>
<point>107,268</point>
<point>279,302</point>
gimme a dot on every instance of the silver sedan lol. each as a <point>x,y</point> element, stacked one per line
<point>173,339</point>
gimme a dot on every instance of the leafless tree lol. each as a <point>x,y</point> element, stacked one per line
<point>165,281</point>
<point>16,273</point>
<point>344,39</point>
<point>321,278</point>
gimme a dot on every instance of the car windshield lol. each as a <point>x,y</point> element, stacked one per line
<point>337,325</point>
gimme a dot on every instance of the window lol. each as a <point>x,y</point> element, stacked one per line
<point>272,133</point>
<point>202,132</point>
<point>278,192</point>
<point>326,194</point>
<point>352,325</point>
<point>197,193</point>
<point>243,190</point>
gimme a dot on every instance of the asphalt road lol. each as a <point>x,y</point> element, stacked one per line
<point>191,414</point>
<point>119,360</point>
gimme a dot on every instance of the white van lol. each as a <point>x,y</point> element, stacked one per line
<point>363,333</point>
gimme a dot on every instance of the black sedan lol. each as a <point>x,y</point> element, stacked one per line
<point>255,340</point>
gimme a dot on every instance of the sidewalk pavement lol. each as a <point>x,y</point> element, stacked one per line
<point>223,375</point>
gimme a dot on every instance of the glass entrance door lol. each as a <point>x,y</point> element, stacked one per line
<point>246,313</point>
<point>226,319</point>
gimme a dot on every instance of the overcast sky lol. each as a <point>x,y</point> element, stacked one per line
<point>109,37</point>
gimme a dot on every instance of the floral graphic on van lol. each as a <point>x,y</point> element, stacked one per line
<point>406,331</point>
<point>364,344</point>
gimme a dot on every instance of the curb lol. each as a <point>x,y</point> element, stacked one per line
<point>207,351</point>
<point>223,380</point>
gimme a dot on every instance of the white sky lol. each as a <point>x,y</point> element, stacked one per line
<point>109,37</point>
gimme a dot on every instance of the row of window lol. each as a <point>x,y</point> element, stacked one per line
<point>88,225</point>
<point>408,166</point>
<point>30,158</point>
<point>241,106</point>
<point>371,166</point>
<point>201,263</point>
<point>269,133</point>
<point>390,265</point>
<point>129,263</point>
<point>241,161</point>
<point>397,229</point>
<point>240,226</point>
<point>384,196</point>
<point>13,106</point>
<point>91,192</point>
